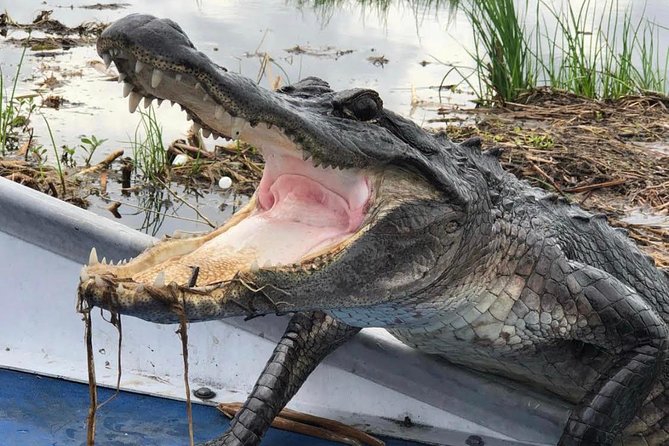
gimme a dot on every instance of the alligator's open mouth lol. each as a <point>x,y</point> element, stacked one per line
<point>303,213</point>
<point>299,212</point>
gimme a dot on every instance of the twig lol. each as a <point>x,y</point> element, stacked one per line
<point>590,187</point>
<point>183,334</point>
<point>102,164</point>
<point>199,214</point>
<point>547,177</point>
<point>192,150</point>
<point>319,427</point>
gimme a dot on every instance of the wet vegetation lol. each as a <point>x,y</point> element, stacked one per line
<point>148,151</point>
<point>12,120</point>
<point>567,48</point>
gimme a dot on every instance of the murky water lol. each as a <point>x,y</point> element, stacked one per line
<point>343,41</point>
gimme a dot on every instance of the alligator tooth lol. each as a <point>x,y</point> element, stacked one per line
<point>83,275</point>
<point>113,52</point>
<point>147,102</point>
<point>196,127</point>
<point>237,127</point>
<point>106,57</point>
<point>178,77</point>
<point>216,135</point>
<point>127,89</point>
<point>188,117</point>
<point>172,103</point>
<point>305,155</point>
<point>133,101</point>
<point>138,66</point>
<point>121,77</point>
<point>156,77</point>
<point>93,257</point>
<point>159,281</point>
<point>104,260</point>
<point>206,133</point>
<point>160,102</point>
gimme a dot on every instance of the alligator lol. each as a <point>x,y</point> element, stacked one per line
<point>363,219</point>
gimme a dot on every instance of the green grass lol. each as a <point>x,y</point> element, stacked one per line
<point>149,153</point>
<point>504,63</point>
<point>59,167</point>
<point>580,49</point>
<point>10,108</point>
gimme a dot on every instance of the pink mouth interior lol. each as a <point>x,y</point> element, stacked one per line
<point>300,209</point>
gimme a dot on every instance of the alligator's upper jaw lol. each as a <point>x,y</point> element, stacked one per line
<point>300,213</point>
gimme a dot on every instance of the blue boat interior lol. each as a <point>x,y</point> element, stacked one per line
<point>42,411</point>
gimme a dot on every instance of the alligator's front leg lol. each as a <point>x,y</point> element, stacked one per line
<point>624,324</point>
<point>308,339</point>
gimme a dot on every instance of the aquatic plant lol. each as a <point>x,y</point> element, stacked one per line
<point>504,62</point>
<point>149,154</point>
<point>59,167</point>
<point>89,144</point>
<point>10,108</point>
<point>614,57</point>
<point>325,9</point>
<point>573,48</point>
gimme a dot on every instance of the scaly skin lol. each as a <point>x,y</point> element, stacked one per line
<point>456,258</point>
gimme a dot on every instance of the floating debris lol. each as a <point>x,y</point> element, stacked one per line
<point>225,182</point>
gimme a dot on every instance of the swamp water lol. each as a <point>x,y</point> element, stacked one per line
<point>398,48</point>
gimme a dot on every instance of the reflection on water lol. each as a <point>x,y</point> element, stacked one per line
<point>380,9</point>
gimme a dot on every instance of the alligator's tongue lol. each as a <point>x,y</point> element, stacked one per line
<point>302,216</point>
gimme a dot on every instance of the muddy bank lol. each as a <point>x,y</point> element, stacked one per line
<point>610,157</point>
<point>45,33</point>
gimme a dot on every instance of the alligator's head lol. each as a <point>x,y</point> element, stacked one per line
<point>357,207</point>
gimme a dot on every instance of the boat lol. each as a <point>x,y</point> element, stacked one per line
<point>374,382</point>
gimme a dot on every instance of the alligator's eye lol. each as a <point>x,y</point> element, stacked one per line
<point>362,105</point>
<point>365,108</point>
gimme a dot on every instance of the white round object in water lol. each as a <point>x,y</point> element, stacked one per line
<point>225,182</point>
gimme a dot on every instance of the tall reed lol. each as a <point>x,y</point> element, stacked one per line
<point>9,109</point>
<point>150,156</point>
<point>504,63</point>
<point>597,53</point>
